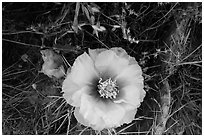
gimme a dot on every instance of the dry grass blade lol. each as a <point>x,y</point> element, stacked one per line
<point>75,23</point>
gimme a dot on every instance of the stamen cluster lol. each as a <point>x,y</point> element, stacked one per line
<point>108,88</point>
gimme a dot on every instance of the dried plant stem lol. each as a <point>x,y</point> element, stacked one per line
<point>165,104</point>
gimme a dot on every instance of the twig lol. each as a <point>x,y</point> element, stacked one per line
<point>25,44</point>
<point>152,26</point>
<point>192,52</point>
<point>22,32</point>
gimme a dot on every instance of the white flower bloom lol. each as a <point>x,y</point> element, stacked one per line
<point>105,87</point>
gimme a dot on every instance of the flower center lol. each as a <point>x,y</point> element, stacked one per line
<point>108,88</point>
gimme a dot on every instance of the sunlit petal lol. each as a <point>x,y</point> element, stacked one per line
<point>112,113</point>
<point>73,93</point>
<point>132,94</point>
<point>83,70</point>
<point>80,117</point>
<point>129,116</point>
<point>95,52</point>
<point>123,54</point>
<point>130,75</point>
<point>104,110</point>
<point>125,104</point>
<point>69,88</point>
<point>99,126</point>
<point>109,61</point>
<point>89,114</point>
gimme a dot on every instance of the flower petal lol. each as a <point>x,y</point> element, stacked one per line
<point>108,61</point>
<point>131,85</point>
<point>68,89</point>
<point>79,117</point>
<point>129,116</point>
<point>112,113</point>
<point>72,93</point>
<point>130,75</point>
<point>100,123</point>
<point>88,114</point>
<point>93,53</point>
<point>83,70</point>
<point>94,111</point>
<point>122,102</point>
<point>123,54</point>
<point>133,94</point>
